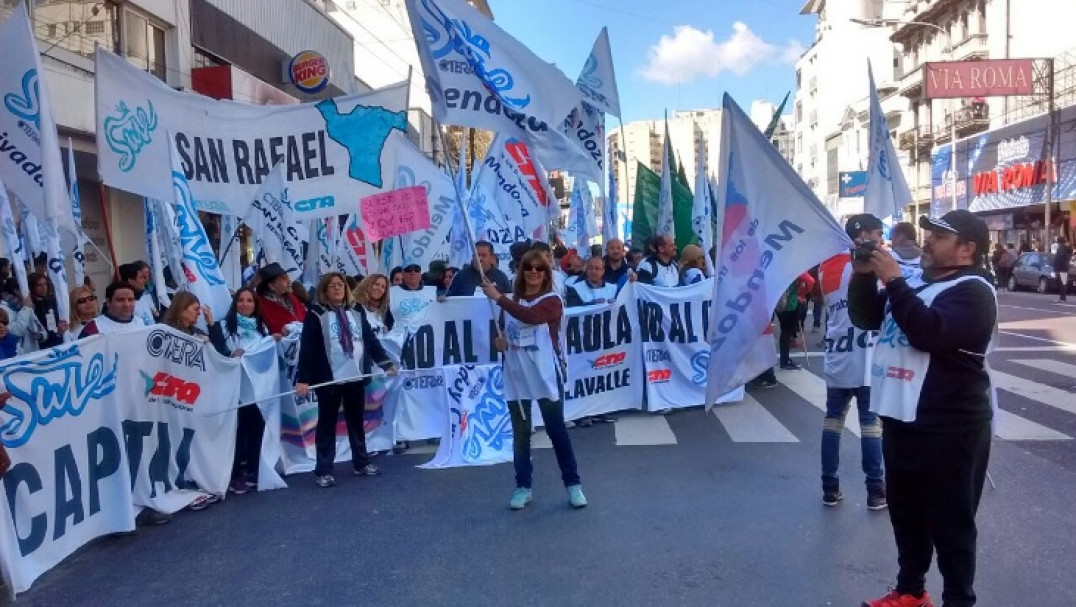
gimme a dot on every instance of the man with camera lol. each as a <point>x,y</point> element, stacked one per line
<point>929,384</point>
<point>847,370</point>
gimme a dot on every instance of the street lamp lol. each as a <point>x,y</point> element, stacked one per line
<point>949,50</point>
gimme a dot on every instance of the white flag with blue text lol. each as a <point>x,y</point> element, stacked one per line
<point>413,168</point>
<point>200,267</point>
<point>54,254</point>
<point>78,253</point>
<point>581,224</point>
<point>774,228</point>
<point>887,191</point>
<point>13,245</point>
<point>479,76</point>
<point>30,161</point>
<point>598,80</point>
<point>273,223</point>
<point>609,213</point>
<point>154,249</point>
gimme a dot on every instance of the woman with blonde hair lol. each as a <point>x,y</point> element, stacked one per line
<point>372,293</point>
<point>184,312</point>
<point>692,265</point>
<point>534,369</point>
<point>84,309</point>
<point>338,347</point>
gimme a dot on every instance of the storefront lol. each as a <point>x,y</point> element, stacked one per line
<point>1002,176</point>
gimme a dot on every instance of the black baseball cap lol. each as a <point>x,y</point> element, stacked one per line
<point>864,222</point>
<point>961,222</point>
<point>412,267</point>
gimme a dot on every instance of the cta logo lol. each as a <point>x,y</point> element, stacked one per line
<point>657,356</point>
<point>313,204</point>
<point>309,71</point>
<point>168,386</point>
<point>659,376</point>
<point>608,360</point>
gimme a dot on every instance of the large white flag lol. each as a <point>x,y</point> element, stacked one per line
<point>609,213</point>
<point>167,227</point>
<point>155,251</point>
<point>479,76</point>
<point>887,191</point>
<point>774,229</point>
<point>334,150</point>
<point>13,246</point>
<point>581,224</point>
<point>273,223</point>
<point>585,127</point>
<point>665,199</point>
<point>598,80</point>
<point>230,265</point>
<point>423,246</point>
<point>30,160</point>
<point>701,211</point>
<point>461,237</point>
<point>54,254</point>
<point>200,267</point>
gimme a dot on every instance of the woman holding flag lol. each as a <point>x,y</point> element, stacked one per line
<point>336,353</point>
<point>534,369</point>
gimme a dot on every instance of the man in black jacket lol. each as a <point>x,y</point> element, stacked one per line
<point>1062,261</point>
<point>929,383</point>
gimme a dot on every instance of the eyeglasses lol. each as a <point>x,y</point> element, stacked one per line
<point>533,268</point>
<point>88,298</point>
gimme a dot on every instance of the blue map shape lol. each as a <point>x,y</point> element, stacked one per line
<point>363,133</point>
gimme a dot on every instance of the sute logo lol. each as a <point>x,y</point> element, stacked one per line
<point>128,132</point>
<point>659,376</point>
<point>608,360</point>
<point>169,386</point>
<point>26,106</point>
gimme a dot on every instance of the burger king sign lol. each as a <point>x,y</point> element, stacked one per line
<point>309,71</point>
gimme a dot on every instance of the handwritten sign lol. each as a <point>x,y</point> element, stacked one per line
<point>395,212</point>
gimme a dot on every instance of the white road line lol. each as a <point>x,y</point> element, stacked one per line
<point>540,440</point>
<point>1052,366</point>
<point>1031,309</point>
<point>1037,349</point>
<point>637,430</point>
<point>1009,426</point>
<point>1042,339</point>
<point>812,389</point>
<point>1047,395</point>
<point>750,422</point>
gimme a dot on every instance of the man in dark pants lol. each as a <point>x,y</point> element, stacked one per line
<point>930,385</point>
<point>1062,261</point>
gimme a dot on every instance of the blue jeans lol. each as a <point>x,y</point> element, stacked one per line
<point>837,404</point>
<point>553,416</point>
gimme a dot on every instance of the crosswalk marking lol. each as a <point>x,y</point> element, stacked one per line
<point>1053,366</point>
<point>749,422</point>
<point>1009,426</point>
<point>540,440</point>
<point>812,388</point>
<point>644,429</point>
<point>1047,395</point>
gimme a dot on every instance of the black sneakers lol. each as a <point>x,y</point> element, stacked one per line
<point>876,500</point>
<point>832,498</point>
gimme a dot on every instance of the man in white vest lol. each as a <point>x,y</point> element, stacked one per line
<point>930,385</point>
<point>847,372</point>
<point>119,316</point>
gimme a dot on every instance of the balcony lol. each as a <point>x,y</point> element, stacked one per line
<point>922,137</point>
<point>971,47</point>
<point>910,84</point>
<point>974,118</point>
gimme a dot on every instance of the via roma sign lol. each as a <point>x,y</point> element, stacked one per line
<point>987,78</point>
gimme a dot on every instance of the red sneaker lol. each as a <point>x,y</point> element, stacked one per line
<point>896,599</point>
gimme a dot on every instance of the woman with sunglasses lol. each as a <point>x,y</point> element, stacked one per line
<point>242,328</point>
<point>83,310</point>
<point>9,342</point>
<point>534,370</point>
<point>338,345</point>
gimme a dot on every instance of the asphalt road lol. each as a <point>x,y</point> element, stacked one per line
<point>724,509</point>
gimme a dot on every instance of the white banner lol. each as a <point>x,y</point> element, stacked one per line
<point>178,397</point>
<point>29,146</point>
<point>479,428</point>
<point>69,482</point>
<point>605,358</point>
<point>673,323</point>
<point>334,151</point>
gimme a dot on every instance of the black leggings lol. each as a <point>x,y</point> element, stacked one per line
<point>790,326</point>
<point>248,441</point>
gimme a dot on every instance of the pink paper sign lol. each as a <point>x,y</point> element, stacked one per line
<point>395,212</point>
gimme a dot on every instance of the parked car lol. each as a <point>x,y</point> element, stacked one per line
<point>1036,271</point>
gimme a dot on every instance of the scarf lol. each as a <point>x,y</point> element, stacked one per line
<point>246,327</point>
<point>346,338</point>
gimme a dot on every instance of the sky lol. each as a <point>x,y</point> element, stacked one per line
<point>671,55</point>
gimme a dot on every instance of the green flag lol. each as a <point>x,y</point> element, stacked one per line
<point>645,213</point>
<point>768,133</point>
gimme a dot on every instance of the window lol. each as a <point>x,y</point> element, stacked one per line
<point>74,25</point>
<point>143,44</point>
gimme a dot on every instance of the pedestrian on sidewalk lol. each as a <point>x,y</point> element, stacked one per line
<point>789,317</point>
<point>534,369</point>
<point>847,373</point>
<point>932,391</point>
<point>1062,261</point>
